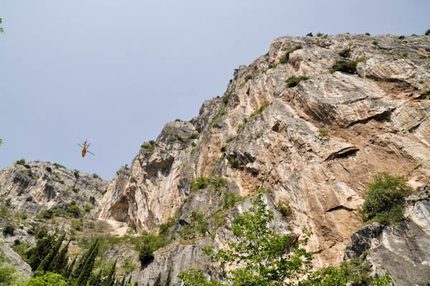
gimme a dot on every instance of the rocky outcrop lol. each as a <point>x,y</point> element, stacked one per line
<point>13,260</point>
<point>402,249</point>
<point>32,187</point>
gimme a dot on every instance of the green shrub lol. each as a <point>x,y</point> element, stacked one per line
<point>323,132</point>
<point>294,80</point>
<point>233,162</point>
<point>76,174</point>
<point>248,77</point>
<point>427,33</point>
<point>345,53</point>
<point>284,208</point>
<point>47,214</point>
<point>146,255</point>
<point>198,226</point>
<point>21,162</point>
<point>284,59</point>
<point>199,183</point>
<point>56,165</point>
<point>346,66</point>
<point>401,37</point>
<point>260,110</point>
<point>148,147</point>
<point>74,211</point>
<point>229,199</point>
<point>383,199</point>
<point>8,230</point>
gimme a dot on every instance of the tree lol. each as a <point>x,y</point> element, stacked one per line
<point>262,256</point>
<point>1,31</point>
<point>383,199</point>
<point>36,254</point>
<point>48,278</point>
<point>259,256</point>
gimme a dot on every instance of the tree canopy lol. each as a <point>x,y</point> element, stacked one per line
<point>260,255</point>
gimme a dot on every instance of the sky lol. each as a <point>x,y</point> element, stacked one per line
<point>114,72</point>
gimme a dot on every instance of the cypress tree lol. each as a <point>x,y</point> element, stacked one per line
<point>69,268</point>
<point>46,264</point>
<point>59,264</point>
<point>87,268</point>
<point>36,254</point>
<point>85,259</point>
<point>110,280</point>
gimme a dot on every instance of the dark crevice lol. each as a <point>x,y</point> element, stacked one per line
<point>343,153</point>
<point>336,208</point>
<point>381,117</point>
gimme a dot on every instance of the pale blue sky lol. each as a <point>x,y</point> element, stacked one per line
<point>115,71</point>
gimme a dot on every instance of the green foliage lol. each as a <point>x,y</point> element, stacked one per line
<point>323,132</point>
<point>194,277</point>
<point>74,210</point>
<point>56,178</point>
<point>48,278</point>
<point>146,255</point>
<point>1,31</point>
<point>199,184</point>
<point>21,162</point>
<point>248,77</point>
<point>56,165</point>
<point>354,272</point>
<point>95,176</point>
<point>76,174</point>
<point>427,33</point>
<point>294,80</point>
<point>345,53</point>
<point>383,199</point>
<point>148,147</point>
<point>43,247</point>
<point>260,256</point>
<point>284,59</point>
<point>229,199</point>
<point>198,226</point>
<point>346,66</point>
<point>259,110</point>
<point>284,208</point>
<point>1,141</point>
<point>128,265</point>
<point>233,162</point>
<point>401,37</point>
<point>7,276</point>
<point>8,230</point>
<point>219,183</point>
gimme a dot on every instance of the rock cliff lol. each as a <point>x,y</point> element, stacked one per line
<point>312,120</point>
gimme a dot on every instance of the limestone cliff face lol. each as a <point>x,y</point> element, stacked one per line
<point>403,249</point>
<point>316,142</point>
<point>35,186</point>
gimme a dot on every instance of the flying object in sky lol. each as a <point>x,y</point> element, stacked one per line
<point>85,148</point>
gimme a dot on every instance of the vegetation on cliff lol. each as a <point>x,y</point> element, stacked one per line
<point>261,256</point>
